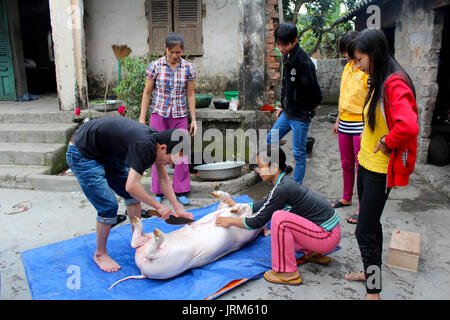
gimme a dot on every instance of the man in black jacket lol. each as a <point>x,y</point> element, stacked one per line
<point>300,95</point>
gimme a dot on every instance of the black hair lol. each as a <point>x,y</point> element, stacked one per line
<point>346,40</point>
<point>174,39</point>
<point>286,33</point>
<point>276,155</point>
<point>172,138</point>
<point>382,64</point>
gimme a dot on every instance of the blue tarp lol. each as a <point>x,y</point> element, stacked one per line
<point>66,271</point>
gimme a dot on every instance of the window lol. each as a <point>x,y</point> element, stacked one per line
<point>181,16</point>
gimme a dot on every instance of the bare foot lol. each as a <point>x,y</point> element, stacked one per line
<point>106,263</point>
<point>355,276</point>
<point>373,296</point>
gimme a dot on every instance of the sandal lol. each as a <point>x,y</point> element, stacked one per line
<point>316,258</point>
<point>338,204</point>
<point>273,277</point>
<point>355,276</point>
<point>354,217</point>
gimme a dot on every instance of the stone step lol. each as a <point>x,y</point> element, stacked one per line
<point>46,182</point>
<point>19,176</point>
<point>37,154</point>
<point>52,117</point>
<point>36,132</point>
<point>38,117</point>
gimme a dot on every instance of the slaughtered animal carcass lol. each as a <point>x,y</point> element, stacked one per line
<point>163,256</point>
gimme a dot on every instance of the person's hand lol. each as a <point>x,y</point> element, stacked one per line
<point>181,213</point>
<point>381,146</point>
<point>335,128</point>
<point>223,222</point>
<point>193,128</point>
<point>164,211</point>
<point>279,111</point>
<point>241,208</point>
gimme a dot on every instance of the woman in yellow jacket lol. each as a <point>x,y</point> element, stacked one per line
<point>349,122</point>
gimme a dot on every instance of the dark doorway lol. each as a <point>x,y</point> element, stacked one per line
<point>440,134</point>
<point>37,46</point>
<point>390,36</point>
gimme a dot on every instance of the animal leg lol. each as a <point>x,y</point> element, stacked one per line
<point>127,278</point>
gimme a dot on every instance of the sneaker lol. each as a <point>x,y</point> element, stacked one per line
<point>159,199</point>
<point>183,200</point>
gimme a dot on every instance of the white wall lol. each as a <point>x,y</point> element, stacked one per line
<point>218,68</point>
<point>123,22</point>
<point>69,52</point>
<point>111,22</point>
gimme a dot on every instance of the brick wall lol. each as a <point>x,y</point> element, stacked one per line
<point>329,73</point>
<point>273,62</point>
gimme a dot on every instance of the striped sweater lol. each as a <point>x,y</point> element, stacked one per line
<point>288,195</point>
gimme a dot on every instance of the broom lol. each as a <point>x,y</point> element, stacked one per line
<point>120,51</point>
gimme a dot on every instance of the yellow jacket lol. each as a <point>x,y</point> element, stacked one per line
<point>353,93</point>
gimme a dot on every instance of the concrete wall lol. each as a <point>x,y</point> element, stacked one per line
<point>117,22</point>
<point>252,68</point>
<point>418,40</point>
<point>218,68</point>
<point>329,72</point>
<point>68,44</point>
<point>109,22</point>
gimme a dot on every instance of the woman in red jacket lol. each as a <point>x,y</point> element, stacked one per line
<point>388,147</point>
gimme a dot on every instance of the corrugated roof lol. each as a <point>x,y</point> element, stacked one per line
<point>355,12</point>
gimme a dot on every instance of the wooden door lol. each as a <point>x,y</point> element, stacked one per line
<point>7,84</point>
<point>188,23</point>
<point>160,23</point>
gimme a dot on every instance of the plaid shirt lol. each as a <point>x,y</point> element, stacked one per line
<point>169,92</point>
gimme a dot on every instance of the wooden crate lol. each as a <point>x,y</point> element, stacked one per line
<point>404,250</point>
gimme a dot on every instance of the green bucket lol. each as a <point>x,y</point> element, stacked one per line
<point>231,94</point>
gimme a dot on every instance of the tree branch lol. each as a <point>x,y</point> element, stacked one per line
<point>322,32</point>
<point>298,6</point>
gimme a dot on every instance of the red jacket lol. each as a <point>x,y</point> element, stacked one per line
<point>401,118</point>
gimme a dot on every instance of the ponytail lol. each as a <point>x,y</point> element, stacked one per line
<point>288,169</point>
<point>276,155</point>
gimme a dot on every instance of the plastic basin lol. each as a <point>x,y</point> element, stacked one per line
<point>231,94</point>
<point>203,100</point>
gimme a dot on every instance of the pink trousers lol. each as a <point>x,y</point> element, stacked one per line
<point>291,233</point>
<point>181,178</point>
<point>349,146</point>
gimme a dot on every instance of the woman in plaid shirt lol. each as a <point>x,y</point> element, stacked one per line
<point>171,80</point>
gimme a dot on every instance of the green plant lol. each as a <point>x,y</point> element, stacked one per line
<point>132,86</point>
<point>316,34</point>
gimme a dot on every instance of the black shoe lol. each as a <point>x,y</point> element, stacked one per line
<point>144,213</point>
<point>120,218</point>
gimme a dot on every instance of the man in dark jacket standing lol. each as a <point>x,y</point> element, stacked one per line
<point>300,95</point>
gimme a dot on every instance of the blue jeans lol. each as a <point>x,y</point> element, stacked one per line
<point>299,135</point>
<point>98,182</point>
